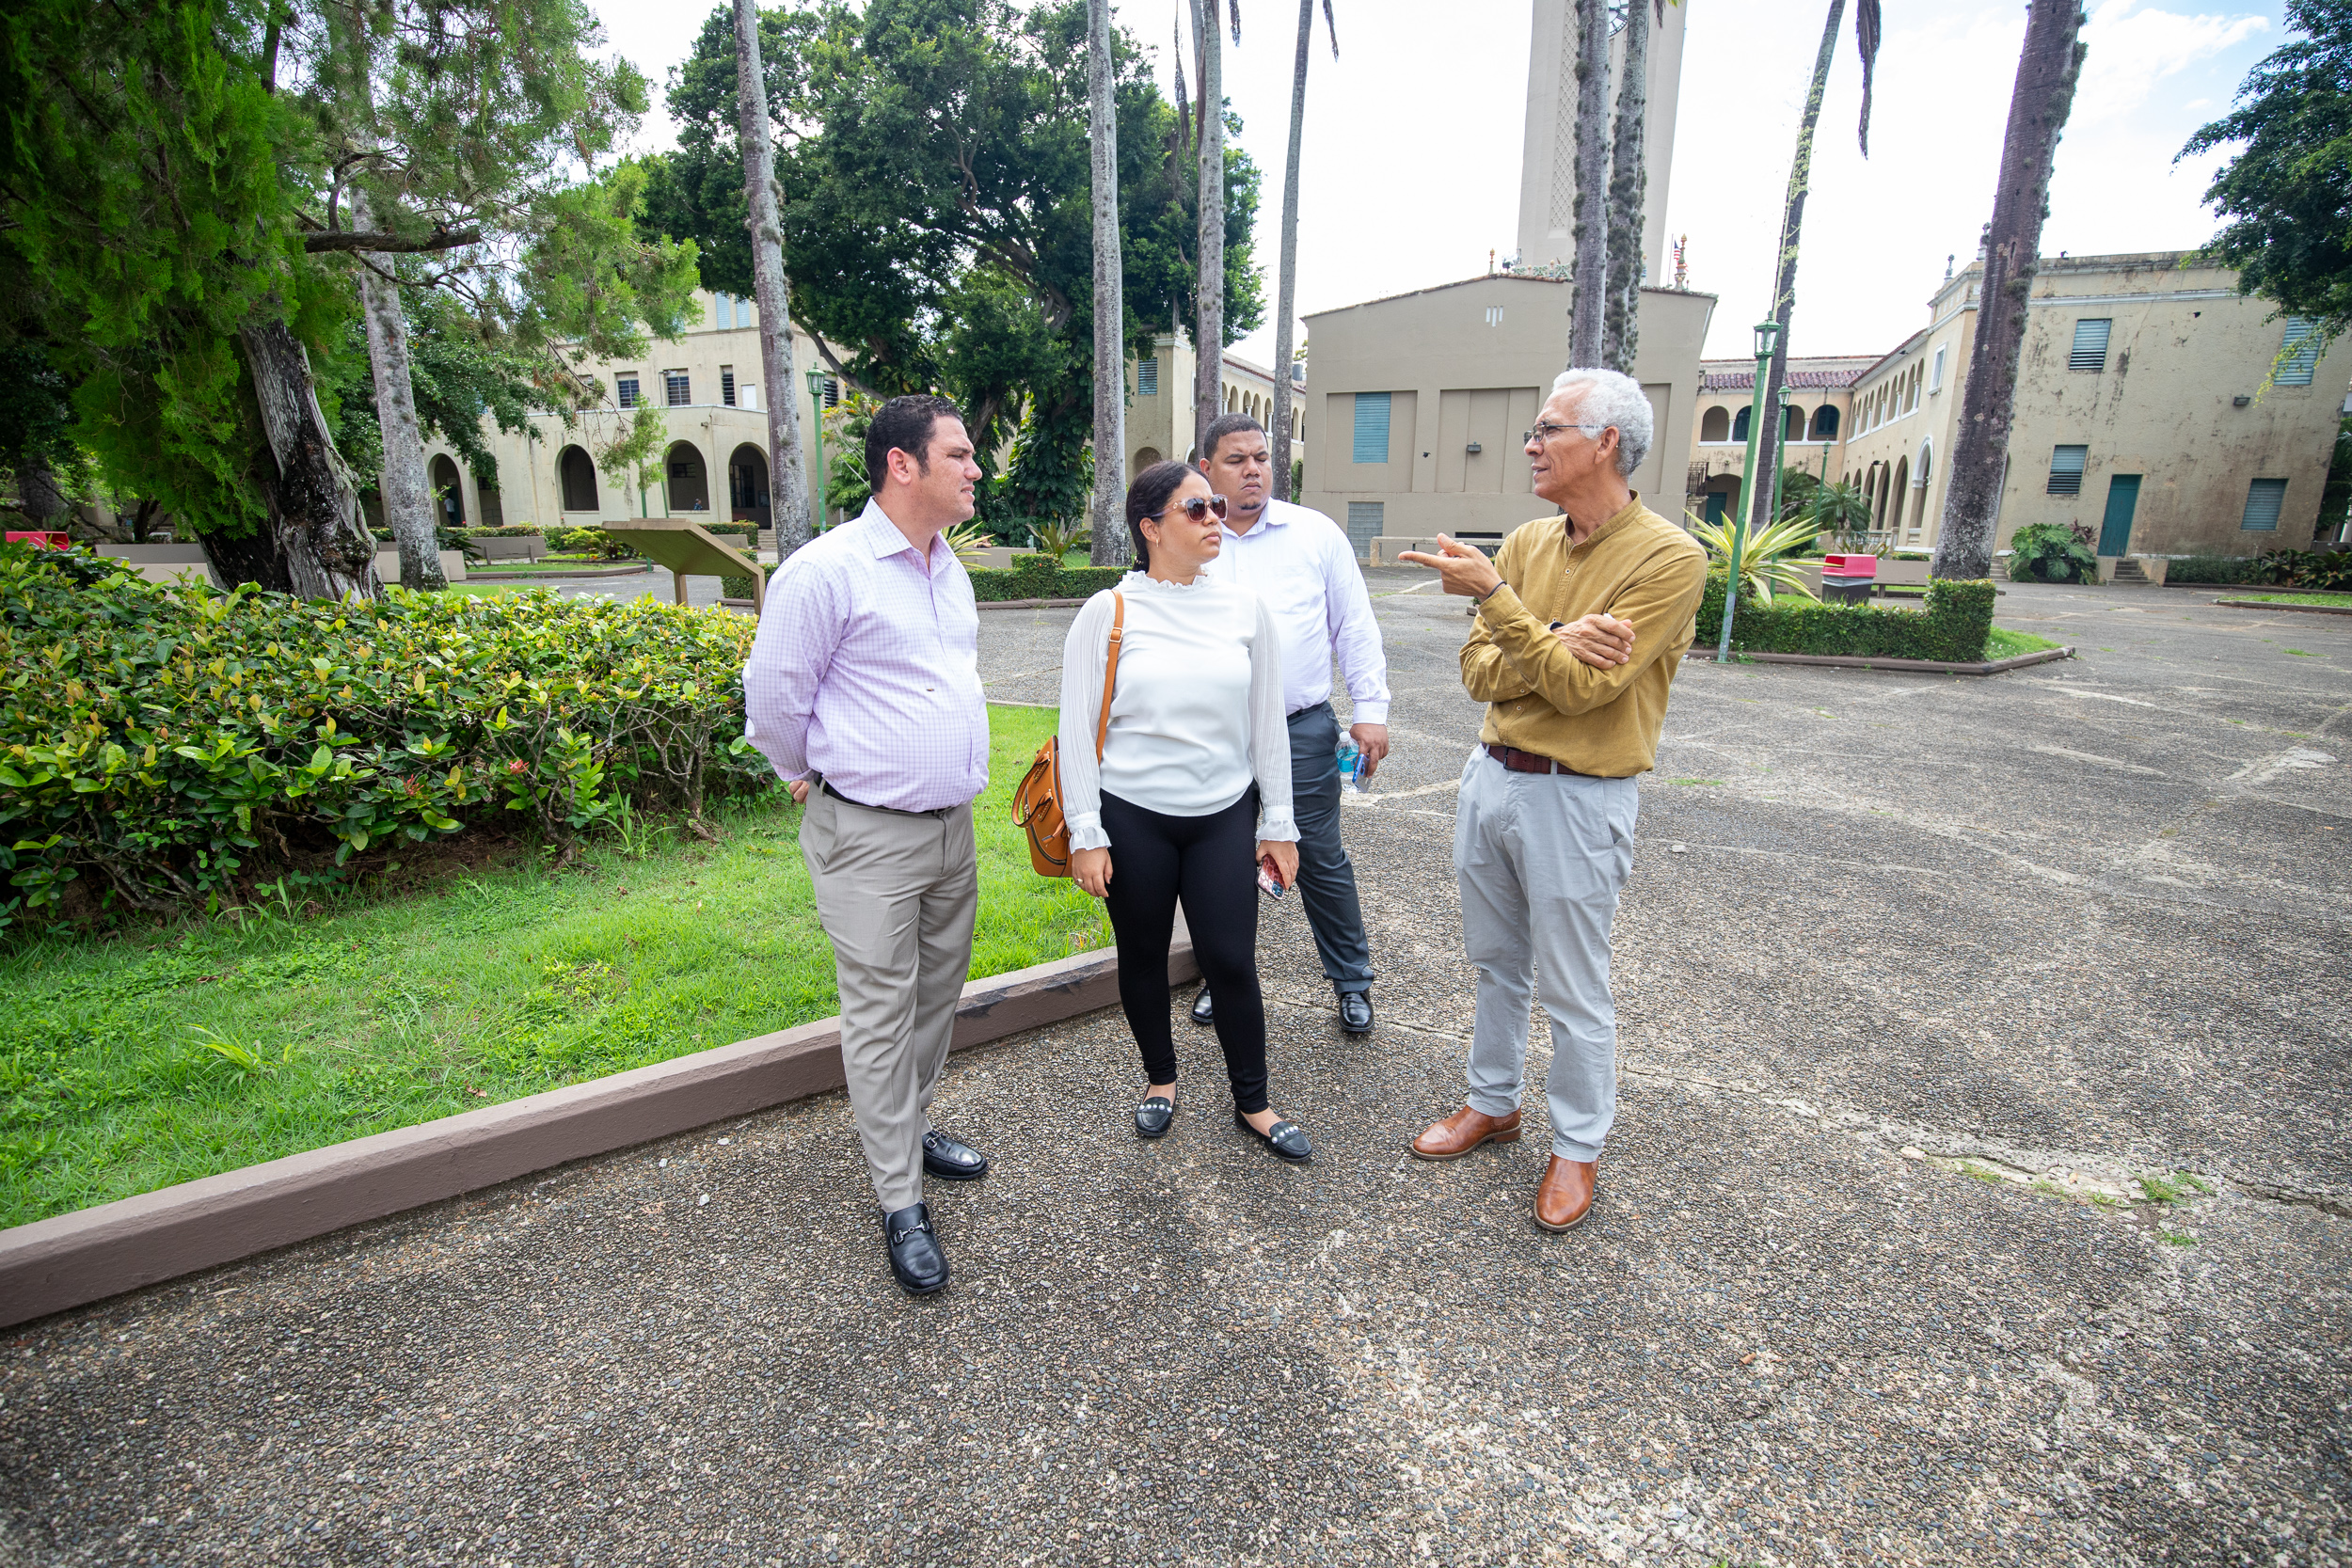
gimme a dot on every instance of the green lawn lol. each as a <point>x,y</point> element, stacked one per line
<point>133,1061</point>
<point>2005,643</point>
<point>2333,601</point>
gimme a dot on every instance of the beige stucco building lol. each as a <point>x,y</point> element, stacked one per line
<point>2141,414</point>
<point>1160,416</point>
<point>1421,402</point>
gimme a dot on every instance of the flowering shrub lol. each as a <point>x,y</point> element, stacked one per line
<point>161,744</point>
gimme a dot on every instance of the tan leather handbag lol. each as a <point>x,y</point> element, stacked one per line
<point>1037,805</point>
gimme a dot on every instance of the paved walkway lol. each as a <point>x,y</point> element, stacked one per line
<point>2076,924</point>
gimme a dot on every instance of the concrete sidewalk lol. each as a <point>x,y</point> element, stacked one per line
<point>2082,923</point>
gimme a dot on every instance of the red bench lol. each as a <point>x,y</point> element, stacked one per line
<point>44,539</point>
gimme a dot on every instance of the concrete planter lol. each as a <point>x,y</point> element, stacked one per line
<point>453,564</point>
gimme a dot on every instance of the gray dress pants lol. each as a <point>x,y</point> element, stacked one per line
<point>1541,858</point>
<point>898,893</point>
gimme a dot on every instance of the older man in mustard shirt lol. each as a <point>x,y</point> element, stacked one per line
<point>1583,620</point>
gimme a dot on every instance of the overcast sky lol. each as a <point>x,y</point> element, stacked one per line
<point>1411,162</point>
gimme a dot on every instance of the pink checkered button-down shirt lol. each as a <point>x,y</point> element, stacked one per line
<point>866,670</point>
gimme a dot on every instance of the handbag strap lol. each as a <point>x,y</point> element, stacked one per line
<point>1110,670</point>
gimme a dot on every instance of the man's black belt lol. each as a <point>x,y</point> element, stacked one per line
<point>894,811</point>
<point>1530,762</point>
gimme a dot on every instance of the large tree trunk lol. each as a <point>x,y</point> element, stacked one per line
<point>408,503</point>
<point>1767,440</point>
<point>787,495</point>
<point>1589,307</point>
<point>314,517</point>
<point>37,495</point>
<point>1209,333</point>
<point>2048,69</point>
<point>1629,181</point>
<point>1107,515</point>
<point>1288,288</point>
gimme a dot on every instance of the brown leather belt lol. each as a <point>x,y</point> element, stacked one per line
<point>1528,762</point>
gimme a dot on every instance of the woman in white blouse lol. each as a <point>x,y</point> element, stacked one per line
<point>1193,791</point>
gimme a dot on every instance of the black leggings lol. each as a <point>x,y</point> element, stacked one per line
<point>1211,862</point>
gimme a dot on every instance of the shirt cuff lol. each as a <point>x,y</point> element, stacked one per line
<point>1085,831</point>
<point>1500,606</point>
<point>1370,712</point>
<point>1277,827</point>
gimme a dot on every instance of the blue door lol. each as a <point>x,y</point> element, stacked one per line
<point>2115,532</point>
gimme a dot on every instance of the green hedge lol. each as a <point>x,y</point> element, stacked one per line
<point>1953,628</point>
<point>521,531</point>
<point>1038,577</point>
<point>163,746</point>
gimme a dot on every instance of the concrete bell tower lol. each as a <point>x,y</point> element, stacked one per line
<point>1548,160</point>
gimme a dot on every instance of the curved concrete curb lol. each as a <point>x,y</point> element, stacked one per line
<point>75,1258</point>
<point>1915,666</point>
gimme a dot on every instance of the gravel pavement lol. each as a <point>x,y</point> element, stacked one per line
<point>1979,1194</point>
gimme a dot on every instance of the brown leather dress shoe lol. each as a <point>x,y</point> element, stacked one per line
<point>1464,1131</point>
<point>1566,1194</point>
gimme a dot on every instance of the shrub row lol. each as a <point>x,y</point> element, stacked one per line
<point>1953,628</point>
<point>1040,576</point>
<point>165,745</point>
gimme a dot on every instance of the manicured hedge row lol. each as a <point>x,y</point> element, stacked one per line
<point>160,746</point>
<point>1040,576</point>
<point>1952,628</point>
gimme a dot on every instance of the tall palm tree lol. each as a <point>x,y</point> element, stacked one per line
<point>1283,318</point>
<point>1587,308</point>
<point>1865,30</point>
<point>1209,335</point>
<point>1107,513</point>
<point>1629,182</point>
<point>787,500</point>
<point>2048,69</point>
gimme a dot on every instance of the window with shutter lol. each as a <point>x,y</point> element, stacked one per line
<point>678,388</point>
<point>2066,470</point>
<point>2298,352</point>
<point>2091,344</point>
<point>1365,521</point>
<point>625,390</point>
<point>727,384</point>
<point>1372,427</point>
<point>1935,376</point>
<point>2264,498</point>
<point>1147,378</point>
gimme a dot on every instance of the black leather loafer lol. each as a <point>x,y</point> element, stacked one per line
<point>1285,1138</point>
<point>915,1255</point>
<point>950,1160</point>
<point>1202,1013</point>
<point>1153,1116</point>
<point>1356,1012</point>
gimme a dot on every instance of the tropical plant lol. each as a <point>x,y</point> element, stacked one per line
<point>1285,487</point>
<point>2320,569</point>
<point>968,540</point>
<point>1832,507</point>
<point>2047,69</point>
<point>2288,231</point>
<point>1056,540</point>
<point>846,423</point>
<point>1768,557</point>
<point>1866,28</point>
<point>2052,552</point>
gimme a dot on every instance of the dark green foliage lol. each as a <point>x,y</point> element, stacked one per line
<point>2051,552</point>
<point>159,746</point>
<point>2289,228</point>
<point>1952,630</point>
<point>2335,496</point>
<point>459,380</point>
<point>1040,576</point>
<point>2320,569</point>
<point>2223,569</point>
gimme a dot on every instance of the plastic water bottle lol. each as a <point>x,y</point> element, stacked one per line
<point>1351,756</point>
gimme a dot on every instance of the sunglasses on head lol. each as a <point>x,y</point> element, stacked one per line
<point>1197,508</point>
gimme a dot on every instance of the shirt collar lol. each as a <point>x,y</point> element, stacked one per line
<point>1270,516</point>
<point>883,536</point>
<point>1625,515</point>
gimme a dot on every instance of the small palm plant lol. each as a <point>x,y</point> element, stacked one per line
<point>1057,540</point>
<point>1767,558</point>
<point>968,540</point>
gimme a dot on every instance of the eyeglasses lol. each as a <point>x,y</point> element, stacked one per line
<point>1195,509</point>
<point>1548,430</point>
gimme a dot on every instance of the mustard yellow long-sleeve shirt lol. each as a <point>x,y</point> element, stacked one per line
<point>1542,698</point>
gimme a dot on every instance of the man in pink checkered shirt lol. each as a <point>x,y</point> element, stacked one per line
<point>864,689</point>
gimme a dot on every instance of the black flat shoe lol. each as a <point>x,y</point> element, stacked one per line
<point>950,1160</point>
<point>1285,1138</point>
<point>1202,1013</point>
<point>1153,1116</point>
<point>921,1268</point>
<point>1356,1012</point>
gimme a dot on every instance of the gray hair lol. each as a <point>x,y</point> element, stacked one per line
<point>1614,400</point>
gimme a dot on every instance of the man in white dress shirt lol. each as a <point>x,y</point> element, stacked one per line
<point>1301,565</point>
<point>864,689</point>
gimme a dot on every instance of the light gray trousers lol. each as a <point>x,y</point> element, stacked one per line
<point>897,894</point>
<point>1541,858</point>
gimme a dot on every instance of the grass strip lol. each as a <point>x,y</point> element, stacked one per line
<point>2330,601</point>
<point>2001,643</point>
<point>133,1061</point>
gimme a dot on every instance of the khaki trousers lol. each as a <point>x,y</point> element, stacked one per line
<point>897,894</point>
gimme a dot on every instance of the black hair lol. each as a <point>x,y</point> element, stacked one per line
<point>1222,426</point>
<point>904,424</point>
<point>1148,497</point>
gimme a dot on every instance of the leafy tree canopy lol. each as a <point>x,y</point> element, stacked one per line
<point>2289,226</point>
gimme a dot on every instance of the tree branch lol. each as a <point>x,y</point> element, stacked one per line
<point>388,244</point>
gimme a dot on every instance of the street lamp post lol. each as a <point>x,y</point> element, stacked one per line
<point>816,424</point>
<point>1780,463</point>
<point>1767,333</point>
